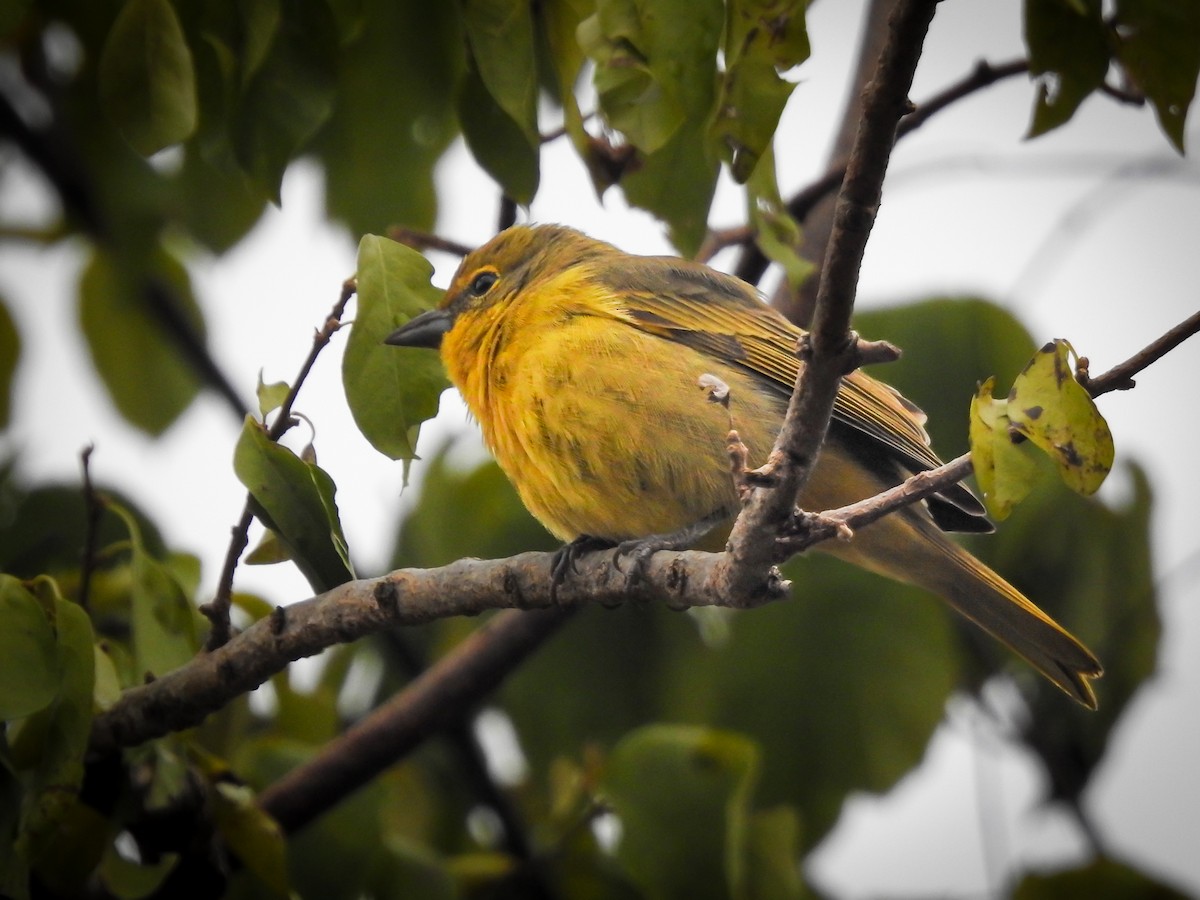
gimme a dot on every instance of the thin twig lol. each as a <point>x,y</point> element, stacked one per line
<point>508,213</point>
<point>162,302</point>
<point>217,610</point>
<point>94,506</point>
<point>184,697</point>
<point>1131,98</point>
<point>718,239</point>
<point>321,337</point>
<point>422,240</point>
<point>753,263</point>
<point>1120,377</point>
<point>442,694</point>
<point>812,528</point>
<point>832,350</point>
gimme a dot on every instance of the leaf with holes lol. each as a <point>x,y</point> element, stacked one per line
<point>1054,411</point>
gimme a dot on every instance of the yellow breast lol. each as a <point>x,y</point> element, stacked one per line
<point>601,426</point>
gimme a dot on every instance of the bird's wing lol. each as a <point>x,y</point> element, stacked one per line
<point>723,317</point>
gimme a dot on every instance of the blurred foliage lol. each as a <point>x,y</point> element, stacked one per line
<point>721,748</point>
<point>1103,879</point>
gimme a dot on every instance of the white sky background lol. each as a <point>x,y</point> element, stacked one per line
<point>968,207</point>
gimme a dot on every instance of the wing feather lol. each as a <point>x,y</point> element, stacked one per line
<point>723,317</point>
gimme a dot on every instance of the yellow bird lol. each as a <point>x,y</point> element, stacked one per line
<point>580,363</point>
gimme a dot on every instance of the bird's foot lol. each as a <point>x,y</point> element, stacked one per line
<point>566,558</point>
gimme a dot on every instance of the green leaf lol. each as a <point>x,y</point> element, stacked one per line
<point>752,100</point>
<point>498,104</point>
<point>776,232</point>
<point>1101,879</point>
<point>773,29</point>
<point>107,688</point>
<point>142,369</point>
<point>253,835</point>
<point>290,95</point>
<point>129,880</point>
<point>271,396</point>
<point>559,21</point>
<point>1069,48</point>
<point>165,632</point>
<point>52,742</point>
<point>295,499</point>
<point>772,855</point>
<point>640,102</point>
<point>655,76</point>
<point>1160,49</point>
<point>1004,472</point>
<point>10,352</point>
<point>29,678</point>
<point>147,83</point>
<point>219,202</point>
<point>270,550</point>
<point>67,852</point>
<point>500,33</point>
<point>260,23</point>
<point>391,390</point>
<point>863,662</point>
<point>681,795</point>
<point>677,184</point>
<point>762,38</point>
<point>505,151</point>
<point>381,143</point>
<point>48,530</point>
<point>1054,411</point>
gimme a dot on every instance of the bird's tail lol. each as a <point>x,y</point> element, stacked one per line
<point>939,565</point>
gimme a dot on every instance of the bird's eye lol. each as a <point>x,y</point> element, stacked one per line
<point>482,283</point>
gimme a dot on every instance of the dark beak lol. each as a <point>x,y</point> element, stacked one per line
<point>425,330</point>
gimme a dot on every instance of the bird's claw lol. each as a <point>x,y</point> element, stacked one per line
<point>639,553</point>
<point>566,559</point>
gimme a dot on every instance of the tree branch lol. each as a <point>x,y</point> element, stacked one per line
<point>809,529</point>
<point>1120,377</point>
<point>184,697</point>
<point>93,505</point>
<point>803,205</point>
<point>217,610</point>
<point>422,240</point>
<point>832,350</point>
<point>442,695</point>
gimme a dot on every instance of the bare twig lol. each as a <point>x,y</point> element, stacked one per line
<point>1120,377</point>
<point>443,694</point>
<point>812,528</point>
<point>94,506</point>
<point>217,610</point>
<point>831,349</point>
<point>421,240</point>
<point>184,697</point>
<point>508,213</point>
<point>798,306</point>
<point>717,240</point>
<point>753,263</point>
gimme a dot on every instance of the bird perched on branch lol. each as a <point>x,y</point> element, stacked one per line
<point>580,363</point>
